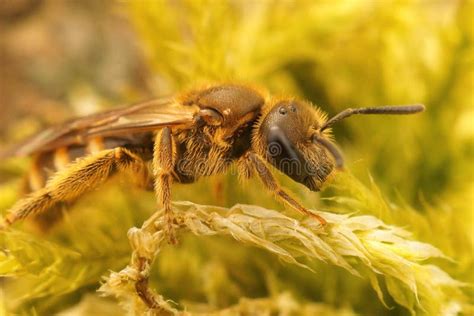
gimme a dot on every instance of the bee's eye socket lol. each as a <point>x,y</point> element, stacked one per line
<point>282,111</point>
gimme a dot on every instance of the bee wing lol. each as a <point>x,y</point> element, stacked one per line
<point>141,117</point>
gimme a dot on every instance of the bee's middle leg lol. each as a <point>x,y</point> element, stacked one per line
<point>164,159</point>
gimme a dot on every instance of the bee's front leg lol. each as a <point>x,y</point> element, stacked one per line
<point>164,159</point>
<point>259,167</point>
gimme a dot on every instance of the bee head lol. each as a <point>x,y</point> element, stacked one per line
<point>289,139</point>
<point>295,138</point>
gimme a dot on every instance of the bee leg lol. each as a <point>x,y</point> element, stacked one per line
<point>272,185</point>
<point>164,156</point>
<point>78,178</point>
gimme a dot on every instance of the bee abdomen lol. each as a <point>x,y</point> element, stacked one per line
<point>45,164</point>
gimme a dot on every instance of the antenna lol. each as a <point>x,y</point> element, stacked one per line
<point>388,109</point>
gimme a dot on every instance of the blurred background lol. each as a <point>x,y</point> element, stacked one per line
<point>61,59</point>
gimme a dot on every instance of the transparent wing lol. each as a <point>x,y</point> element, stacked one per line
<point>140,117</point>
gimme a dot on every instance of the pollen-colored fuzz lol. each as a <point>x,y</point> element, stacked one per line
<point>79,177</point>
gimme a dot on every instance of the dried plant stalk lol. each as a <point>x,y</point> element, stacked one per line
<point>363,245</point>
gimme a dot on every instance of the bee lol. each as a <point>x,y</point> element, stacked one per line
<point>181,139</point>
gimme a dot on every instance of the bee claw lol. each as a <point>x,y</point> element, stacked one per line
<point>169,229</point>
<point>172,240</point>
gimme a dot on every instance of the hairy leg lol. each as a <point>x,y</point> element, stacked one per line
<point>78,178</point>
<point>164,159</point>
<point>272,185</point>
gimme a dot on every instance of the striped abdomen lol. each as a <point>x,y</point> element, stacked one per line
<point>45,164</point>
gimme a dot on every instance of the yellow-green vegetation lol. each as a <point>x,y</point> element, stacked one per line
<point>400,237</point>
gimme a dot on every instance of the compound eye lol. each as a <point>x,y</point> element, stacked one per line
<point>282,111</point>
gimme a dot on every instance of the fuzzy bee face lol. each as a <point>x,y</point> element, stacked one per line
<point>287,134</point>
